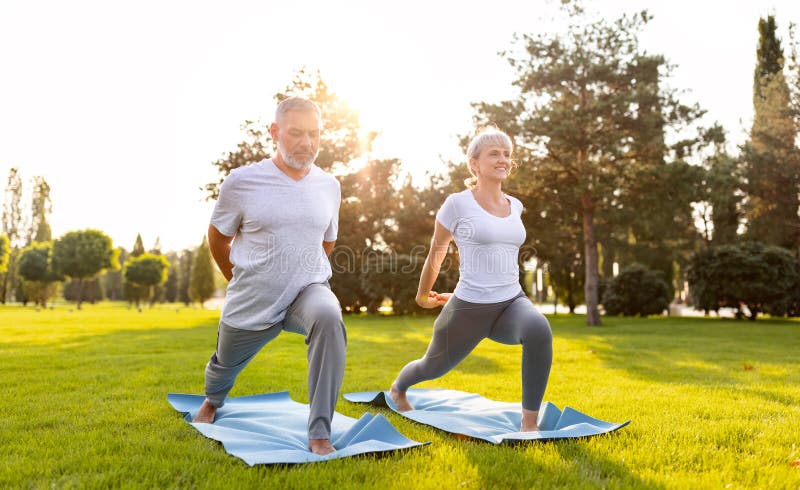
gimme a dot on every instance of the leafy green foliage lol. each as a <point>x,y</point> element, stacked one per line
<point>637,291</point>
<point>589,123</point>
<point>762,277</point>
<point>83,254</point>
<point>145,272</point>
<point>35,266</point>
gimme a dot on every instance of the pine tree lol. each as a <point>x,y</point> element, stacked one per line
<point>201,284</point>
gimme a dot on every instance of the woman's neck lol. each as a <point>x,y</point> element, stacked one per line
<point>490,191</point>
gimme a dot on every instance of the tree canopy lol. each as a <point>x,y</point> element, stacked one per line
<point>84,254</point>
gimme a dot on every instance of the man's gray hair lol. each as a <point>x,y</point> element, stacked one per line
<point>296,104</point>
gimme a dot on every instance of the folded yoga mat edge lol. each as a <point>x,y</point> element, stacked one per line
<point>371,434</point>
<point>476,419</point>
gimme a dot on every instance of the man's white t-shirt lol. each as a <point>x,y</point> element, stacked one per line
<point>488,247</point>
<point>278,225</point>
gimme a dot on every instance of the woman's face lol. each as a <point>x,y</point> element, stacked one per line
<point>493,163</point>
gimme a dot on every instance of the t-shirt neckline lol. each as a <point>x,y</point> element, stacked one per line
<point>280,172</point>
<point>510,206</point>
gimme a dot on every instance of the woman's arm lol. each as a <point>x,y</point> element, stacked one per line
<point>430,271</point>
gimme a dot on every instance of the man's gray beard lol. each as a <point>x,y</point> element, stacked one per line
<point>290,161</point>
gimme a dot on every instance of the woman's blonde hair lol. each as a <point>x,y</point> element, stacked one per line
<point>488,136</point>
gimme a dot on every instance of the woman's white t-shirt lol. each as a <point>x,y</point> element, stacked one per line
<point>488,247</point>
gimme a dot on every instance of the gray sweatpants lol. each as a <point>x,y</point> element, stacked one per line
<point>461,325</point>
<point>316,314</point>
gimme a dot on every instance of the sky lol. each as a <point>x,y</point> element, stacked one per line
<point>122,106</point>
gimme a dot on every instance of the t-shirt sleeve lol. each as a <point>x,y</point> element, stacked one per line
<point>227,215</point>
<point>333,227</point>
<point>517,205</point>
<point>447,214</point>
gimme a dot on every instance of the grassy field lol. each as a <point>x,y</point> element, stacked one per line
<point>713,403</point>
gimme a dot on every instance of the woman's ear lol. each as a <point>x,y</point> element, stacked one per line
<point>473,166</point>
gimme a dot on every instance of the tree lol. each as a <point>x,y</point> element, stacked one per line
<point>12,227</point>
<point>185,276</point>
<point>41,207</point>
<point>578,118</point>
<point>82,255</point>
<point>35,266</point>
<point>201,284</point>
<point>171,286</point>
<point>363,213</point>
<point>771,157</point>
<point>340,140</point>
<point>760,276</point>
<point>133,292</point>
<point>112,283</point>
<point>90,290</point>
<point>722,194</point>
<point>138,246</point>
<point>637,291</point>
<point>157,294</point>
<point>146,271</point>
<point>4,253</point>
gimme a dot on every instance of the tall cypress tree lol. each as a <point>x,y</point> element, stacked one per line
<point>13,229</point>
<point>185,275</point>
<point>41,207</point>
<point>770,158</point>
<point>201,284</point>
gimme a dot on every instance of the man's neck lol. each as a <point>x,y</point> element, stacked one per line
<point>290,172</point>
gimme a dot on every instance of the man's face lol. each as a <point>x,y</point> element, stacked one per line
<point>297,136</point>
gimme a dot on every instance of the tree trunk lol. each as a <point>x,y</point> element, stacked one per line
<point>555,300</point>
<point>590,254</point>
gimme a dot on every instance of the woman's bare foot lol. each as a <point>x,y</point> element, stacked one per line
<point>206,413</point>
<point>399,399</point>
<point>321,446</point>
<point>529,423</point>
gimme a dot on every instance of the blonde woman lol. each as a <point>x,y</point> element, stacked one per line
<point>488,301</point>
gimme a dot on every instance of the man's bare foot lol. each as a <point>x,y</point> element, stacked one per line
<point>399,399</point>
<point>529,421</point>
<point>321,446</point>
<point>206,413</point>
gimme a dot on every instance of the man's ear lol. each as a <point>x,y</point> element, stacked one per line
<point>273,131</point>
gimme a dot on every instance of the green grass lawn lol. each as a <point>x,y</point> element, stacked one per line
<point>713,403</point>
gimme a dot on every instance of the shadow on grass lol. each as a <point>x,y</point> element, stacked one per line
<point>714,353</point>
<point>550,464</point>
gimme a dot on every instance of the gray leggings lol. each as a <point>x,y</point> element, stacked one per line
<point>316,314</point>
<point>462,325</point>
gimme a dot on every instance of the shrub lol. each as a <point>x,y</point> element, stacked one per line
<point>636,291</point>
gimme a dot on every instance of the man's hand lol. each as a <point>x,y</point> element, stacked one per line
<point>433,299</point>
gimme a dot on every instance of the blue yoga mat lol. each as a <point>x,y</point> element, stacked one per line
<point>271,429</point>
<point>474,416</point>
